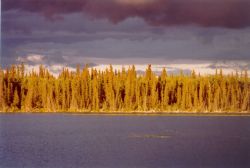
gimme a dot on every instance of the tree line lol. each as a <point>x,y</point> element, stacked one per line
<point>89,90</point>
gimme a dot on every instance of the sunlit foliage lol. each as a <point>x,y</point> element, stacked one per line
<point>89,90</point>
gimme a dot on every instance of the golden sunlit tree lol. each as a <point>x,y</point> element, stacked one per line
<point>113,90</point>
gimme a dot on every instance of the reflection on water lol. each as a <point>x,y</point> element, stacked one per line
<point>149,136</point>
<point>57,140</point>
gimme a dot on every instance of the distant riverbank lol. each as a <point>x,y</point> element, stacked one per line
<point>125,91</point>
<point>141,113</point>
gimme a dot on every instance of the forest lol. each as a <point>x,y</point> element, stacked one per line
<point>89,90</point>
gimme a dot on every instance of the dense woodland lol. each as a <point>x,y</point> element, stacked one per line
<point>89,90</point>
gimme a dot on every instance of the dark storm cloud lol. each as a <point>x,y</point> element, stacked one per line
<point>79,38</point>
<point>206,13</point>
<point>24,23</point>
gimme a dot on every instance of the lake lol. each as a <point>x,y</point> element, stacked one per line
<point>107,141</point>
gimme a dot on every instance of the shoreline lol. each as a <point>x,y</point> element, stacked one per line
<point>247,114</point>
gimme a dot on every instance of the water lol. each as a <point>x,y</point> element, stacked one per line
<point>61,140</point>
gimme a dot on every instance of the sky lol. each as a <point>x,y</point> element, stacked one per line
<point>199,33</point>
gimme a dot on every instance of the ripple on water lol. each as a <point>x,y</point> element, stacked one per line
<point>147,136</point>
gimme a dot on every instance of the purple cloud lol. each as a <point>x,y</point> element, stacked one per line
<point>206,13</point>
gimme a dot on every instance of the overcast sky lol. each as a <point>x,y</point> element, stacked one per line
<point>124,31</point>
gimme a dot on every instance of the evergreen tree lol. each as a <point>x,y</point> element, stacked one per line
<point>1,90</point>
<point>15,104</point>
<point>124,90</point>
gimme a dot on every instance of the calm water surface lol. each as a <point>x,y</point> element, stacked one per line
<point>88,141</point>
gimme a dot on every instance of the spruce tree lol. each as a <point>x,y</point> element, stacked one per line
<point>15,104</point>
